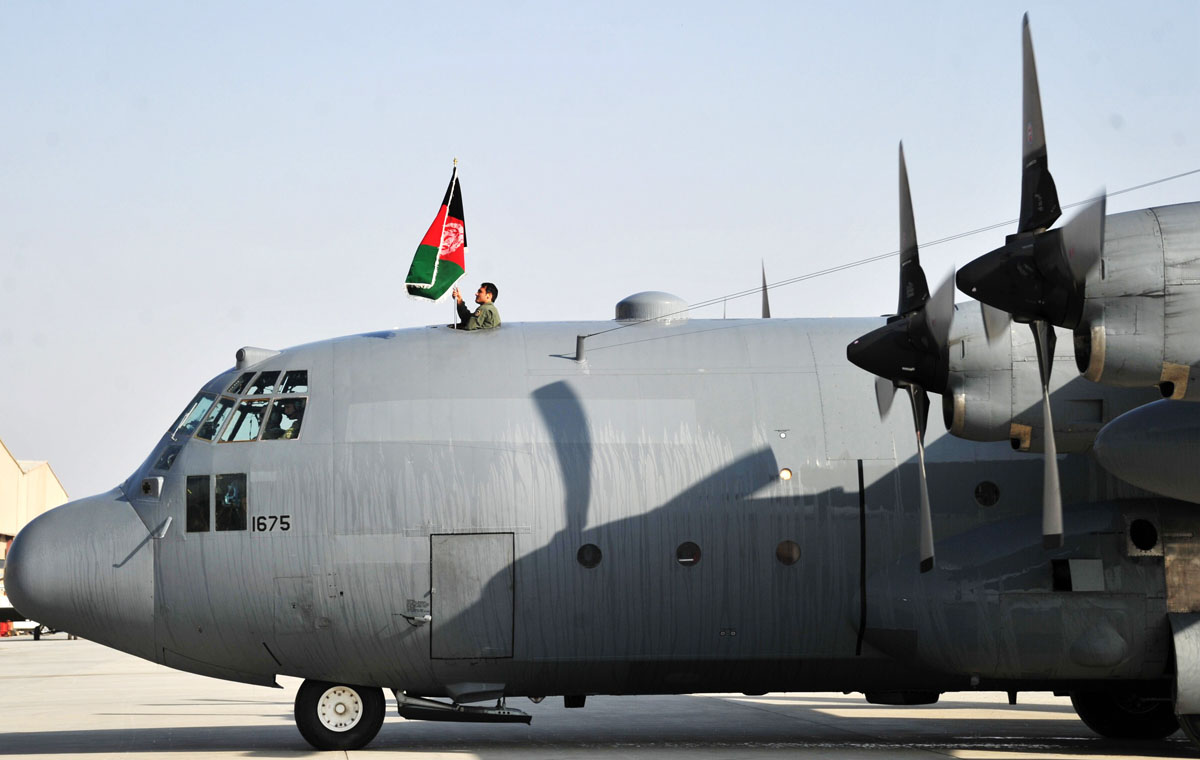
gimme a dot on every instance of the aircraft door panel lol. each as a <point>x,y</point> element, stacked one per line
<point>472,590</point>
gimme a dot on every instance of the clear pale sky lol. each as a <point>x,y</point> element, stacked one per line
<point>179,179</point>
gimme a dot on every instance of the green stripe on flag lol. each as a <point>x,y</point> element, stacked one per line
<point>447,274</point>
<point>423,264</point>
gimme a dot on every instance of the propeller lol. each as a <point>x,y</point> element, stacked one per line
<point>910,350</point>
<point>1038,275</point>
<point>995,322</point>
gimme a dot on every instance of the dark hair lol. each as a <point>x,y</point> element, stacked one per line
<point>490,288</point>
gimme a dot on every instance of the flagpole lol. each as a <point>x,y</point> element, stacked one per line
<point>453,300</point>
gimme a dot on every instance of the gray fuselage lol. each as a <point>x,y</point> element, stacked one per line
<point>449,489</point>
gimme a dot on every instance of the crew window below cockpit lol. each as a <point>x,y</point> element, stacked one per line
<point>190,419</point>
<point>246,423</point>
<point>167,458</point>
<point>263,384</point>
<point>212,424</point>
<point>231,501</point>
<point>284,420</point>
<point>197,503</point>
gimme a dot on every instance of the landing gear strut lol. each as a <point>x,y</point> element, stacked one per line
<point>338,716</point>
<point>1125,715</point>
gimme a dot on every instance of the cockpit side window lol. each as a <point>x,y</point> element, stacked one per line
<point>295,381</point>
<point>208,429</point>
<point>246,423</point>
<point>285,419</point>
<point>263,384</point>
<point>236,386</point>
<point>190,419</point>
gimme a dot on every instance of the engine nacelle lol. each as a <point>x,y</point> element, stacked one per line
<point>977,403</point>
<point>994,390</point>
<point>1139,326</point>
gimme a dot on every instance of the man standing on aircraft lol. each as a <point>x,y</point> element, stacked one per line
<point>486,317</point>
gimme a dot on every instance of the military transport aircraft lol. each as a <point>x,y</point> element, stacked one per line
<point>682,505</point>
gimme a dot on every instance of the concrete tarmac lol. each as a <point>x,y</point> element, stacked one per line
<point>62,698</point>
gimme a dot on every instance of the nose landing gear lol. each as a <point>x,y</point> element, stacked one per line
<point>338,716</point>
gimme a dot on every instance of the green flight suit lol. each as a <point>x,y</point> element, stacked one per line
<point>486,317</point>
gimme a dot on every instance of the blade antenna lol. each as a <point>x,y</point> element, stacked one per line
<point>766,304</point>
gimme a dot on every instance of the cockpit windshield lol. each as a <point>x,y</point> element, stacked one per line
<point>237,385</point>
<point>295,381</point>
<point>263,384</point>
<point>187,422</point>
<point>216,417</point>
<point>253,408</point>
<point>247,421</point>
<point>285,419</point>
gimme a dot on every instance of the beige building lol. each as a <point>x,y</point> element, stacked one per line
<point>27,489</point>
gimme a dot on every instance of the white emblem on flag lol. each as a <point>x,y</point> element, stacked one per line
<point>452,236</point>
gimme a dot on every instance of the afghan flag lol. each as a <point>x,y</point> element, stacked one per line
<point>441,257</point>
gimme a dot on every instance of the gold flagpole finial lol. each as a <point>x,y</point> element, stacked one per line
<point>456,162</point>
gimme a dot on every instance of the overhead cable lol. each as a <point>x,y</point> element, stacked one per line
<point>881,256</point>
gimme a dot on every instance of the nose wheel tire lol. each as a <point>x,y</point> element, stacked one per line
<point>334,716</point>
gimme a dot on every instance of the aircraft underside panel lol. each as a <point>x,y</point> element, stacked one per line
<point>472,586</point>
<point>1181,560</point>
<point>1185,629</point>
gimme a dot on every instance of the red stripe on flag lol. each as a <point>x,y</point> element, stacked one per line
<point>433,237</point>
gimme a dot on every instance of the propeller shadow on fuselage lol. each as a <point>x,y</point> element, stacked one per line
<point>646,619</point>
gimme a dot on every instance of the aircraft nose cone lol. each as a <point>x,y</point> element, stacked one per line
<point>87,567</point>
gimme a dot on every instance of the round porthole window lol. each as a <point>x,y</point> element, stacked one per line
<point>1143,534</point>
<point>987,494</point>
<point>687,554</point>
<point>788,552</point>
<point>589,555</point>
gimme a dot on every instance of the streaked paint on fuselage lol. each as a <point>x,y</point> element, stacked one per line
<point>459,474</point>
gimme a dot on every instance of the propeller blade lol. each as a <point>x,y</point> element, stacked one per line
<point>939,311</point>
<point>1083,238</point>
<point>885,392</point>
<point>1052,520</point>
<point>766,306</point>
<point>920,407</point>
<point>914,289</point>
<point>1039,197</point>
<point>995,322</point>
<point>1039,273</point>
